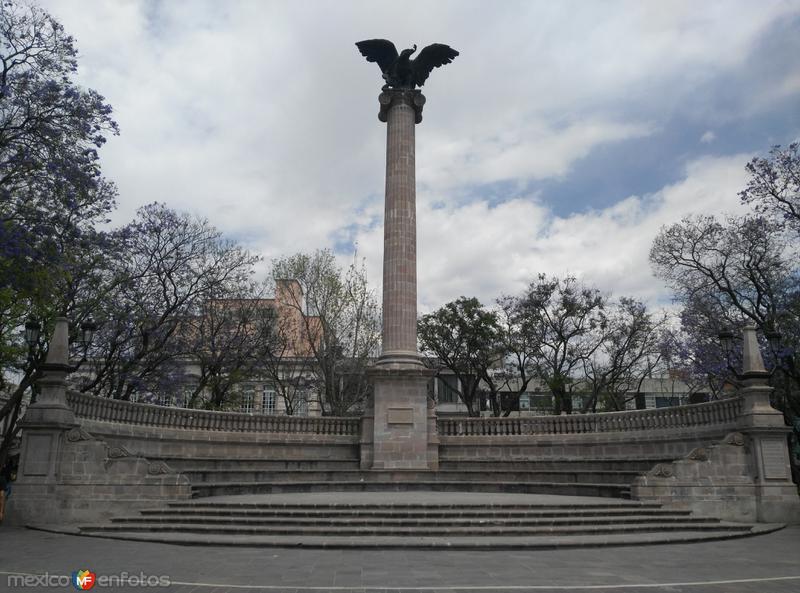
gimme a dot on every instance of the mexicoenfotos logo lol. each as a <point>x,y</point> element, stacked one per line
<point>84,579</point>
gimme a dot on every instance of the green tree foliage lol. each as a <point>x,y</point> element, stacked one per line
<point>569,323</point>
<point>465,339</point>
<point>52,193</point>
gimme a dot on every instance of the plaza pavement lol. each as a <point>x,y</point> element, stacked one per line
<point>760,564</point>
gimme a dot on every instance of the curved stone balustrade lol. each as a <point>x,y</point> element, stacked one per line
<point>721,412</point>
<point>103,409</point>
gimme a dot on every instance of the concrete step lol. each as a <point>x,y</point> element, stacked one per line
<point>200,476</point>
<point>414,519</point>
<point>422,500</point>
<point>541,542</point>
<point>414,531</point>
<point>561,488</point>
<point>356,520</point>
<point>423,514</point>
<point>639,464</point>
<point>217,463</point>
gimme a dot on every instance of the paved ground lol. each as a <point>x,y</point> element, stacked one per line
<point>762,564</point>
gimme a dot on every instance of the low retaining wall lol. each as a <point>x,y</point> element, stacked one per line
<point>176,433</point>
<point>662,433</point>
<point>119,445</point>
<point>90,407</point>
<point>159,432</point>
<point>712,414</point>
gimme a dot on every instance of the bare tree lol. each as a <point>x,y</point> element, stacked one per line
<point>228,343</point>
<point>774,186</point>
<point>726,274</point>
<point>289,362</point>
<point>628,353</point>
<point>340,321</point>
<point>520,346</point>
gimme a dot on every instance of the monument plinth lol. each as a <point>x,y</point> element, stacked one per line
<point>399,431</point>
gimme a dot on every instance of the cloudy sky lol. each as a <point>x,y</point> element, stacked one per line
<point>559,141</point>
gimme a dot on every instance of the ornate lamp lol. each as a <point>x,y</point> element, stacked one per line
<point>32,329</point>
<point>774,338</point>
<point>88,328</point>
<point>726,340</point>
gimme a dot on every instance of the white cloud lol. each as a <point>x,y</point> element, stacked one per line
<point>262,117</point>
<point>485,251</point>
<point>708,137</point>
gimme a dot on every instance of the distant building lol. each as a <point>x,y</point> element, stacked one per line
<point>654,392</point>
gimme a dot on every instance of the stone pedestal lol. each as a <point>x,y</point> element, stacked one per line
<point>46,420</point>
<point>746,477</point>
<point>404,425</point>
<point>776,496</point>
<point>65,474</point>
<point>401,424</point>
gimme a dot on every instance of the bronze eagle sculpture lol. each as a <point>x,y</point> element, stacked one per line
<point>400,71</point>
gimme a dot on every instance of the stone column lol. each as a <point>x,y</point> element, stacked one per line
<point>402,425</point>
<point>401,110</point>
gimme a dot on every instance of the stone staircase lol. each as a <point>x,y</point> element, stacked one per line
<point>574,477</point>
<point>414,519</point>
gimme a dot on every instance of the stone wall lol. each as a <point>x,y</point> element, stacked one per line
<point>176,433</point>
<point>176,443</point>
<point>115,455</point>
<point>661,444</point>
<point>667,433</point>
<point>720,480</point>
<point>75,477</point>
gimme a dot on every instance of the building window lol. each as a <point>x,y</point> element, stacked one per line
<point>541,403</point>
<point>247,401</point>
<point>268,400</point>
<point>301,406</point>
<point>165,400</point>
<point>667,402</point>
<point>447,389</point>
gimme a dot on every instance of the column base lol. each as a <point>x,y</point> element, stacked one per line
<point>397,360</point>
<point>404,426</point>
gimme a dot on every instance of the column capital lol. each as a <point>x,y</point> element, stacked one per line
<point>412,98</point>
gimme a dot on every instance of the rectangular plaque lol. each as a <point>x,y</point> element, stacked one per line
<point>774,456</point>
<point>400,416</point>
<point>37,455</point>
